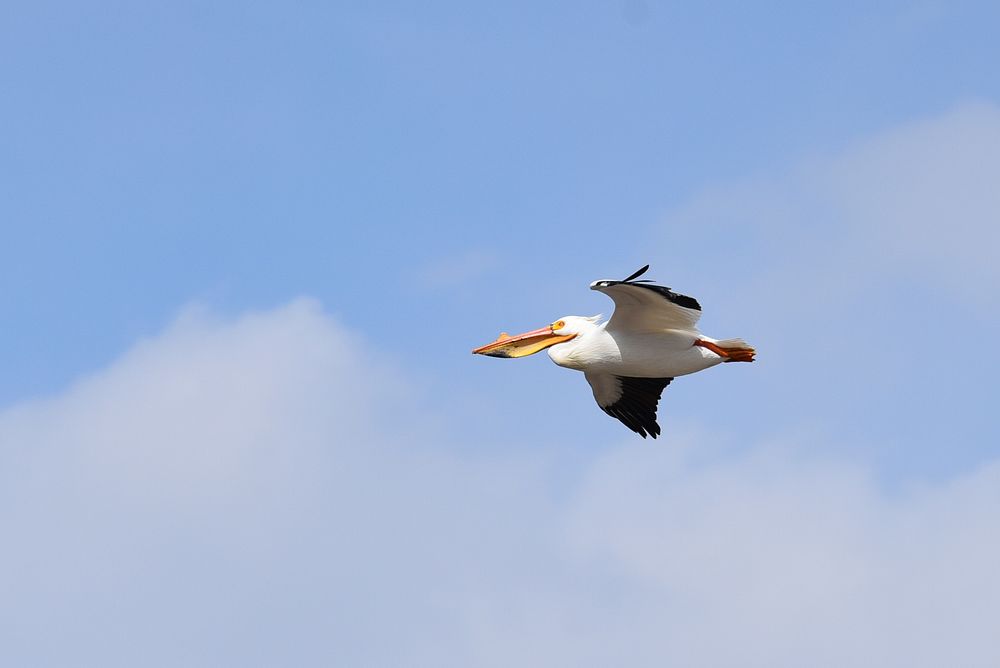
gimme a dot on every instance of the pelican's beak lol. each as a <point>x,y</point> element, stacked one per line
<point>522,345</point>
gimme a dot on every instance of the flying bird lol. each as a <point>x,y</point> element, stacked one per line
<point>650,339</point>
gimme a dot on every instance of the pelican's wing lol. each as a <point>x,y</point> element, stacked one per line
<point>644,307</point>
<point>631,400</point>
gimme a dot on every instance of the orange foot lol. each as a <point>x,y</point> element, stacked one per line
<point>728,354</point>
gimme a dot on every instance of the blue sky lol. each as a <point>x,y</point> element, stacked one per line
<point>247,250</point>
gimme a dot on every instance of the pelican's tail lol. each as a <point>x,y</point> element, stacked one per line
<point>737,350</point>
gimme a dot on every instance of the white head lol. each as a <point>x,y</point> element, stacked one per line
<point>577,325</point>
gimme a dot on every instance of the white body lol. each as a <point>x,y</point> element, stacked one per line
<point>657,354</point>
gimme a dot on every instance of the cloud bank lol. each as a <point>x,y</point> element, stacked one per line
<point>259,491</point>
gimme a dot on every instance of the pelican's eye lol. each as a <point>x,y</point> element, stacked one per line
<point>556,326</point>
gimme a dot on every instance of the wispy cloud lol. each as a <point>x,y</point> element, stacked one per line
<point>917,202</point>
<point>256,491</point>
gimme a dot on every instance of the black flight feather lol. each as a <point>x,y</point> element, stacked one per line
<point>636,407</point>
<point>636,274</point>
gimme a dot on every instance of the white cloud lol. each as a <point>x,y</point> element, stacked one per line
<point>260,492</point>
<point>772,562</point>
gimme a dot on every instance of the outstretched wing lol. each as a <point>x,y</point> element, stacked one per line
<point>631,400</point>
<point>643,307</point>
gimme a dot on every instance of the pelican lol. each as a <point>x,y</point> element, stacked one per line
<point>650,339</point>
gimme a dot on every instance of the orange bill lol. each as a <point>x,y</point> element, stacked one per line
<point>522,345</point>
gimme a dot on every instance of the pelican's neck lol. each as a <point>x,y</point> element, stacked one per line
<point>579,352</point>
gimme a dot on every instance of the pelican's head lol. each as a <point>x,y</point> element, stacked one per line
<point>564,329</point>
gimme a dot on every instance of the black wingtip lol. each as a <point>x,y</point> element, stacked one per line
<point>636,274</point>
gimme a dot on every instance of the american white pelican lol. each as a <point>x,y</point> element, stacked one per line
<point>650,339</point>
